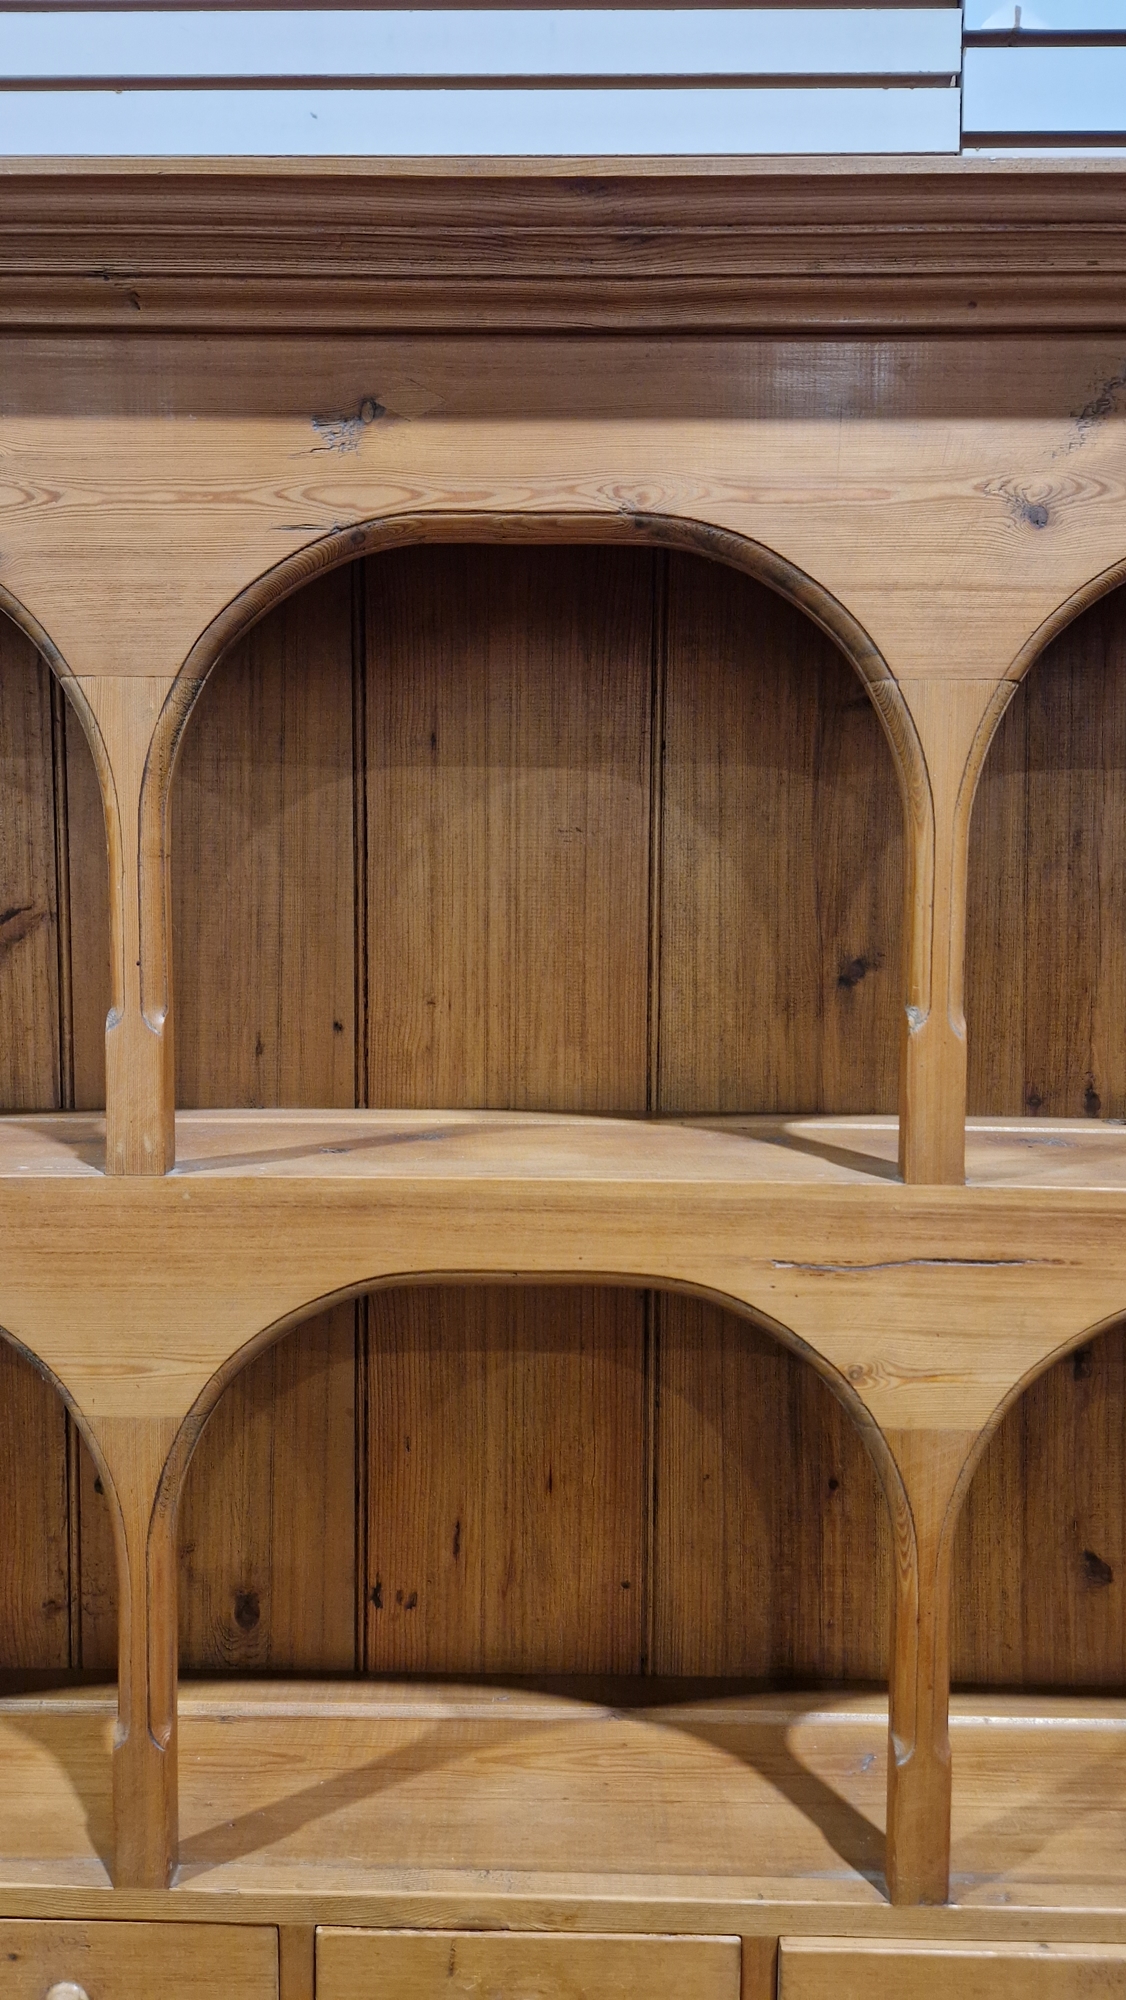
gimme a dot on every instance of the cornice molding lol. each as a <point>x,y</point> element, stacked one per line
<point>821,246</point>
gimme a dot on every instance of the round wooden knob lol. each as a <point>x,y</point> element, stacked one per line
<point>66,1989</point>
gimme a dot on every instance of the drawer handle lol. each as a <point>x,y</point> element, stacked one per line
<point>66,1989</point>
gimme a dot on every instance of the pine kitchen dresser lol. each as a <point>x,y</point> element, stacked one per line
<point>563,1041</point>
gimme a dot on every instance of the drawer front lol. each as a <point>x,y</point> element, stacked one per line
<point>106,1961</point>
<point>840,1969</point>
<point>510,1965</point>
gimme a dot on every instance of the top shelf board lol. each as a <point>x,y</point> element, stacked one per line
<point>503,1145</point>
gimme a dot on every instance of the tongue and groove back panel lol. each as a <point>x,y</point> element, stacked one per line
<point>565,829</point>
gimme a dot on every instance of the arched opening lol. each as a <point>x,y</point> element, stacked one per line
<point>612,1566</point>
<point>1046,911</point>
<point>1039,1632</point>
<point>556,828</point>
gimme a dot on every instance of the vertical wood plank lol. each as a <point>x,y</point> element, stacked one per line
<point>263,890</point>
<point>782,868</point>
<point>506,1500</point>
<point>267,1521</point>
<point>264,909</point>
<point>508,704</point>
<point>95,1568</point>
<point>772,1548</point>
<point>508,698</point>
<point>1040,1555</point>
<point>1046,901</point>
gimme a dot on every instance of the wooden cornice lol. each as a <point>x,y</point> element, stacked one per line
<point>822,246</point>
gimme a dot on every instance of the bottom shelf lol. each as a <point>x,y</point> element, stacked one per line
<point>663,1792</point>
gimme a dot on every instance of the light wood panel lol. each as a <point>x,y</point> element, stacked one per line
<point>506,1480</point>
<point>582,1793</point>
<point>134,1961</point>
<point>263,870</point>
<point>772,1551</point>
<point>427,1965</point>
<point>508,714</point>
<point>268,1519</point>
<point>878,1969</point>
<point>508,719</point>
<point>781,968</point>
<point>265,907</point>
<point>1040,1559</point>
<point>1046,943</point>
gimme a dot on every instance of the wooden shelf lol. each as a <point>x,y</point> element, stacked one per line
<point>571,1792</point>
<point>370,1145</point>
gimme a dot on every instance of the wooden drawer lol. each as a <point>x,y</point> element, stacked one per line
<point>844,1969</point>
<point>510,1965</point>
<point>137,1961</point>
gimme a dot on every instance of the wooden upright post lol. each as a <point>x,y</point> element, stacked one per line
<point>918,1811</point>
<point>948,716</point>
<point>144,1750</point>
<point>140,1077</point>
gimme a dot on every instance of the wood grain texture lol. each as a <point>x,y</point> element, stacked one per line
<point>31,1031</point>
<point>268,1518</point>
<point>95,1567</point>
<point>134,1961</point>
<point>263,885</point>
<point>88,886</point>
<point>508,716</point>
<point>425,1965</point>
<point>45,770</point>
<point>35,1572</point>
<point>950,498</point>
<point>1041,1550</point>
<point>506,1487</point>
<point>1046,932</point>
<point>664,244</point>
<point>782,880</point>
<point>297,1967</point>
<point>508,710</point>
<point>265,913</point>
<point>772,1553</point>
<point>850,1969</point>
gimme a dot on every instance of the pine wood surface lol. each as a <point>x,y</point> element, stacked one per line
<point>973,439</point>
<point>422,1965</point>
<point>401,1802</point>
<point>836,244</point>
<point>506,1481</point>
<point>941,510</point>
<point>264,901</point>
<point>781,870</point>
<point>1046,873</point>
<point>831,1969</point>
<point>771,1551</point>
<point>134,1960</point>
<point>1021,1154</point>
<point>508,814</point>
